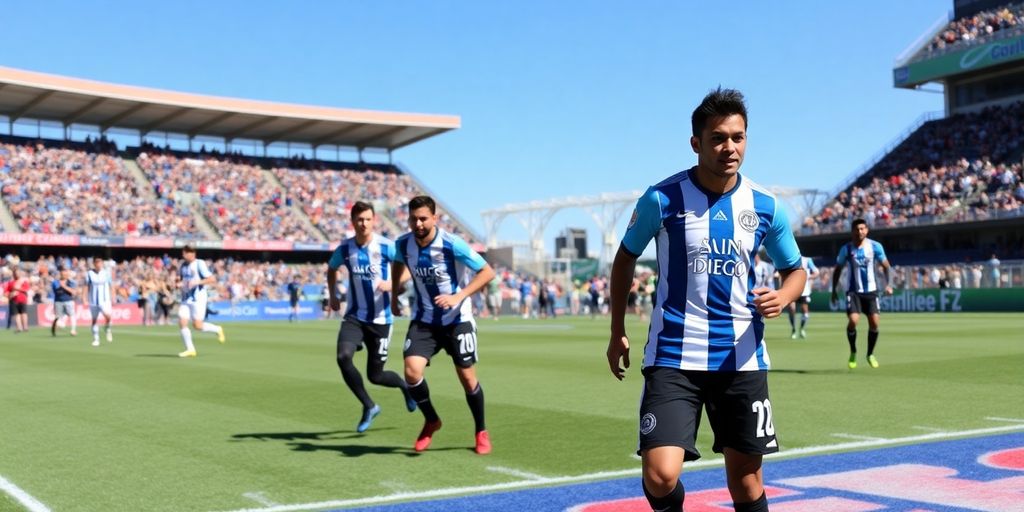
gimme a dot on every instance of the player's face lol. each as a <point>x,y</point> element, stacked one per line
<point>860,232</point>
<point>421,222</point>
<point>721,146</point>
<point>97,264</point>
<point>189,257</point>
<point>64,275</point>
<point>364,223</point>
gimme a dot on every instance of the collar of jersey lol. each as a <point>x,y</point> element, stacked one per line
<point>692,174</point>
<point>437,233</point>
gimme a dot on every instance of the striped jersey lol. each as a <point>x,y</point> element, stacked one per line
<point>808,265</point>
<point>443,267</point>
<point>368,266</point>
<point>860,265</point>
<point>189,271</point>
<point>99,287</point>
<point>764,275</point>
<point>704,316</point>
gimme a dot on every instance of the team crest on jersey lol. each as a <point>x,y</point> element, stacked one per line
<point>647,423</point>
<point>632,220</point>
<point>748,220</point>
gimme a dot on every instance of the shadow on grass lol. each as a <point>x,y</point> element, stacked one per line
<point>305,442</point>
<point>835,371</point>
<point>358,450</point>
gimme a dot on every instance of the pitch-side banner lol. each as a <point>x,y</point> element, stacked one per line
<point>263,310</point>
<point>936,300</point>
<point>122,314</point>
<point>970,59</point>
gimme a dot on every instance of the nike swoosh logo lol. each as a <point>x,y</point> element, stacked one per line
<point>685,213</point>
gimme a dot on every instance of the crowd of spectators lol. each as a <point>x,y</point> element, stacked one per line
<point>977,28</point>
<point>73,191</point>
<point>964,167</point>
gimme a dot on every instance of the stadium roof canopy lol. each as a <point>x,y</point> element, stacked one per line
<point>30,95</point>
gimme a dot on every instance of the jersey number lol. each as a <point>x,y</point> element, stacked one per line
<point>764,418</point>
<point>467,342</point>
<point>382,349</point>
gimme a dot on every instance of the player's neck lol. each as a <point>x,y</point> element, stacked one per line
<point>427,240</point>
<point>363,239</point>
<point>714,183</point>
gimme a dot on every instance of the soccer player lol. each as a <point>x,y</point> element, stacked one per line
<point>764,273</point>
<point>294,294</point>
<point>705,344</point>
<point>860,257</point>
<point>804,300</point>
<point>440,264</point>
<point>195,275</point>
<point>100,281</point>
<point>64,292</point>
<point>17,290</point>
<point>367,256</point>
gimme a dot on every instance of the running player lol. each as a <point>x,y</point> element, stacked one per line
<point>705,345</point>
<point>195,276</point>
<point>859,257</point>
<point>100,281</point>
<point>294,294</point>
<point>64,292</point>
<point>805,299</point>
<point>367,256</point>
<point>440,264</point>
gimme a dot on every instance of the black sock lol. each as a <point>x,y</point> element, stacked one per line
<point>671,502</point>
<point>872,339</point>
<point>354,381</point>
<point>792,320</point>
<point>803,321</point>
<point>758,505</point>
<point>851,336</point>
<point>421,393</point>
<point>476,406</point>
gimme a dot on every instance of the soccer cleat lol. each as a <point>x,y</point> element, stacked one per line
<point>792,336</point>
<point>74,333</point>
<point>872,362</point>
<point>53,330</point>
<point>483,443</point>
<point>426,435</point>
<point>187,353</point>
<point>410,402</point>
<point>95,343</point>
<point>803,333</point>
<point>853,360</point>
<point>110,336</point>
<point>220,335</point>
<point>368,416</point>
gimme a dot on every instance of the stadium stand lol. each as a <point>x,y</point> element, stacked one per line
<point>976,29</point>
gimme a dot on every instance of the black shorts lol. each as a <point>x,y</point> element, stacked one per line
<point>293,302</point>
<point>739,410</point>
<point>803,299</point>
<point>18,309</point>
<point>631,300</point>
<point>865,303</point>
<point>324,303</point>
<point>376,336</point>
<point>458,340</point>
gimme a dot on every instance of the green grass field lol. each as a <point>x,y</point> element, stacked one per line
<point>128,426</point>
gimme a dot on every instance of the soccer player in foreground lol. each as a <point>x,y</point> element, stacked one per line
<point>705,345</point>
<point>100,282</point>
<point>860,257</point>
<point>367,256</point>
<point>442,314</point>
<point>195,276</point>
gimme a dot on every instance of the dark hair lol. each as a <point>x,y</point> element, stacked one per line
<point>718,103</point>
<point>189,248</point>
<point>421,201</point>
<point>858,222</point>
<point>360,207</point>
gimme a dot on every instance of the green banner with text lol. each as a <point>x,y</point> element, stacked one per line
<point>947,300</point>
<point>974,58</point>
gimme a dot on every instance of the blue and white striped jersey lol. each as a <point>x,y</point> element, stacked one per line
<point>444,267</point>
<point>704,316</point>
<point>189,271</point>
<point>808,265</point>
<point>99,287</point>
<point>860,265</point>
<point>368,266</point>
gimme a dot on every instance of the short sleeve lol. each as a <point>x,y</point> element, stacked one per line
<point>337,259</point>
<point>644,224</point>
<point>466,255</point>
<point>780,243</point>
<point>811,267</point>
<point>843,254</point>
<point>202,269</point>
<point>879,252</point>
<point>388,250</point>
<point>400,248</point>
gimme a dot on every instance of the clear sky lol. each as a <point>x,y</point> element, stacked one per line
<point>556,98</point>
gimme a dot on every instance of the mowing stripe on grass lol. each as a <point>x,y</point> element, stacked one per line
<point>258,497</point>
<point>515,472</point>
<point>507,486</point>
<point>26,499</point>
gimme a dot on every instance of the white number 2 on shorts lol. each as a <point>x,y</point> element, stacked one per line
<point>764,418</point>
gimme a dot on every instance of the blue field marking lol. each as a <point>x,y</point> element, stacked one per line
<point>942,476</point>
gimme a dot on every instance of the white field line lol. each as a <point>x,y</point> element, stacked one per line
<point>515,472</point>
<point>927,429</point>
<point>1010,420</point>
<point>843,435</point>
<point>603,475</point>
<point>26,499</point>
<point>260,498</point>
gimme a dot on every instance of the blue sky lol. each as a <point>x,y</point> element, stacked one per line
<point>556,98</point>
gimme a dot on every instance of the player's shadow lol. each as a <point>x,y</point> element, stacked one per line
<point>301,436</point>
<point>354,450</point>
<point>808,372</point>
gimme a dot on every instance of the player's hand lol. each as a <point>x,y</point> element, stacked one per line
<point>335,304</point>
<point>192,283</point>
<point>618,348</point>
<point>396,308</point>
<point>888,290</point>
<point>446,301</point>
<point>768,302</point>
<point>385,285</point>
<point>835,298</point>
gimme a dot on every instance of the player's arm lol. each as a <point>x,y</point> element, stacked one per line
<point>399,273</point>
<point>836,273</point>
<point>644,224</point>
<point>884,262</point>
<point>782,249</point>
<point>484,273</point>
<point>210,279</point>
